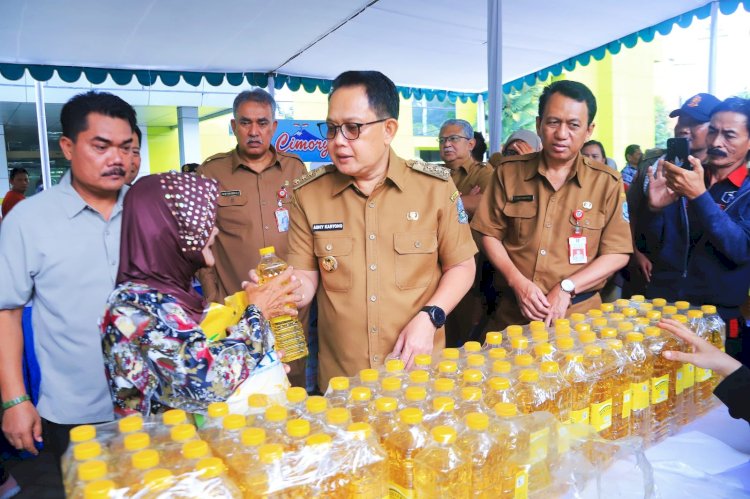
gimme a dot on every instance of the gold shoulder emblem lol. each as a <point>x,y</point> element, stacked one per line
<point>433,170</point>
<point>312,175</point>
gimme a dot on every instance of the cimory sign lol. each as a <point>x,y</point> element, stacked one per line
<point>301,138</point>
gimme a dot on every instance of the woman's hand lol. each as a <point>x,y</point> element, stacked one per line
<point>276,297</point>
<point>704,355</point>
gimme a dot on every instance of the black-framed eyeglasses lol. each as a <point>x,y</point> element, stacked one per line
<point>350,131</point>
<point>451,139</point>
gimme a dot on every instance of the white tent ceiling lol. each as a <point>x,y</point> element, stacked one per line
<point>418,43</point>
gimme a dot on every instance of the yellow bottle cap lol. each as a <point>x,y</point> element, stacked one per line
<point>339,383</point>
<point>641,321</point>
<point>565,343</point>
<point>607,333</point>
<point>562,322</point>
<point>337,416</point>
<point>420,376</point>
<point>472,347</point>
<point>472,376</point>
<point>574,357</point>
<point>634,337</point>
<point>587,337</point>
<point>296,394</point>
<point>607,307</point>
<point>316,404</point>
<point>477,421</point>
<point>513,330</point>
<point>145,459</point>
<point>174,417</point>
<point>540,336</point>
<point>257,401</point>
<point>622,302</point>
<point>210,467</point>
<point>386,404</point>
<point>233,422</point>
<point>529,376</point>
<point>561,331</point>
<point>682,305</point>
<point>253,436</point>
<point>653,315</point>
<point>218,409</point>
<point>100,489</point>
<point>361,394</point>
<point>638,298</point>
<point>394,365</point>
<point>669,310</point>
<point>195,449</point>
<point>616,317</point>
<point>87,450</point>
<point>500,367</point>
<point>550,367</point>
<point>624,327</point>
<point>709,309</point>
<point>423,360</point>
<point>369,375</point>
<point>391,384</point>
<point>629,312</point>
<point>268,250</point>
<point>319,439</point>
<point>497,383</point>
<point>577,317</point>
<point>471,393</point>
<point>297,428</point>
<point>475,360</point>
<point>443,434</point>
<point>682,319</point>
<point>506,409</point>
<point>615,344</point>
<point>519,343</point>
<point>536,325</point>
<point>444,385</point>
<point>136,441</point>
<point>652,331</point>
<point>410,416</point>
<point>497,353</point>
<point>443,404</point>
<point>523,360</point>
<point>592,351</point>
<point>450,354</point>
<point>645,307</point>
<point>447,367</point>
<point>493,339</point>
<point>270,453</point>
<point>599,322</point>
<point>594,313</point>
<point>92,470</point>
<point>276,414</point>
<point>131,424</point>
<point>582,327</point>
<point>415,393</point>
<point>695,314</point>
<point>360,431</point>
<point>82,433</point>
<point>659,302</point>
<point>182,432</point>
<point>158,480</point>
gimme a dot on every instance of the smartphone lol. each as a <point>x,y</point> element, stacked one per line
<point>677,152</point>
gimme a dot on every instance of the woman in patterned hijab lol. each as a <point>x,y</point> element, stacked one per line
<point>157,353</point>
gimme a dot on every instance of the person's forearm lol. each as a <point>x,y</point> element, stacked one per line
<point>209,284</point>
<point>11,354</point>
<point>500,259</point>
<point>454,284</point>
<point>600,269</point>
<point>471,203</point>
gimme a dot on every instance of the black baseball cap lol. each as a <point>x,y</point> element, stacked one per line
<point>698,107</point>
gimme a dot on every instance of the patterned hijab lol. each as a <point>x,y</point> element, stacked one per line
<point>167,221</point>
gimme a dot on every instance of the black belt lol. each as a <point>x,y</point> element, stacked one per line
<point>582,297</point>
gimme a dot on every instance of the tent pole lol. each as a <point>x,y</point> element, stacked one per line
<point>41,129</point>
<point>495,73</point>
<point>712,52</point>
<point>480,115</point>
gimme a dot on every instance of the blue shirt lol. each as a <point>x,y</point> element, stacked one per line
<point>61,254</point>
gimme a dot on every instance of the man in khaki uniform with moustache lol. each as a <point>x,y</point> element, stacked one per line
<point>471,178</point>
<point>388,239</point>
<point>554,223</point>
<point>255,195</point>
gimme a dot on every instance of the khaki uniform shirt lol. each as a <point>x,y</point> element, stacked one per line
<point>471,174</point>
<point>380,257</point>
<point>246,217</point>
<point>534,222</point>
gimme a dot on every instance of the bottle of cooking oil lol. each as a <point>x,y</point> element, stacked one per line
<point>523,361</point>
<point>682,306</point>
<point>368,467</point>
<point>416,396</point>
<point>574,372</point>
<point>556,390</point>
<point>230,436</point>
<point>658,303</point>
<point>685,389</point>
<point>536,326</point>
<point>621,303</point>
<point>641,370</point>
<point>703,377</point>
<point>156,483</point>
<point>608,333</point>
<point>100,489</point>
<point>497,390</point>
<point>179,435</point>
<point>419,377</point>
<point>370,378</point>
<point>191,452</point>
<point>444,387</point>
<point>544,351</point>
<point>530,397</point>
<point>212,427</point>
<point>667,311</point>
<point>141,463</point>
<point>616,357</point>
<point>295,401</point>
<point>315,413</point>
<point>601,394</point>
<point>513,446</point>
<point>587,337</point>
<point>385,418</point>
<point>483,453</point>
<point>391,387</point>
<point>472,400</point>
<point>453,354</point>
<point>88,472</point>
<point>274,422</point>
<point>86,451</point>
<point>170,418</point>
<point>443,413</point>
<point>448,369</point>
<point>441,469</point>
<point>132,443</point>
<point>623,328</point>
<point>473,377</point>
<point>287,330</point>
<point>359,404</point>
<point>297,431</point>
<point>423,361</point>
<point>126,426</point>
<point>337,420</point>
<point>663,380</point>
<point>331,473</point>
<point>402,445</point>
<point>501,368</point>
<point>519,345</point>
<point>471,347</point>
<point>478,362</point>
<point>717,332</point>
<point>265,480</point>
<point>607,308</point>
<point>257,403</point>
<point>212,480</point>
<point>512,332</point>
<point>599,323</point>
<point>577,318</point>
<point>493,339</point>
<point>395,368</point>
<point>564,346</point>
<point>582,328</point>
<point>338,391</point>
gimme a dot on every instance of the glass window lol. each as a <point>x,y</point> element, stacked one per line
<point>427,116</point>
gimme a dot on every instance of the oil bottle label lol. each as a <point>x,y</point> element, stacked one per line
<point>640,395</point>
<point>679,381</point>
<point>659,389</point>
<point>702,375</point>
<point>688,376</point>
<point>521,485</point>
<point>538,443</point>
<point>601,415</point>
<point>627,403</point>
<point>398,492</point>
<point>580,416</point>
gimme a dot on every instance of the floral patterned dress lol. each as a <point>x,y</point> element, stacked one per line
<point>157,357</point>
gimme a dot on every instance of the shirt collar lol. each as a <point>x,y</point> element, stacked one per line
<point>396,174</point>
<point>237,162</point>
<point>467,165</point>
<point>738,176</point>
<point>72,202</point>
<point>534,168</point>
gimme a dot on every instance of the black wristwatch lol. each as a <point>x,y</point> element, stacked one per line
<point>437,315</point>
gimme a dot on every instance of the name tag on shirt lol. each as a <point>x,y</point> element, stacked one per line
<point>229,193</point>
<point>328,226</point>
<point>524,197</point>
<point>577,250</point>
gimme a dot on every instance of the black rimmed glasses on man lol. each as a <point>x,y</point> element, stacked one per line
<point>350,131</point>
<point>451,139</point>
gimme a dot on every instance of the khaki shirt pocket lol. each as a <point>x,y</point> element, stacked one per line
<point>232,212</point>
<point>416,257</point>
<point>334,262</point>
<point>522,220</point>
<point>592,225</point>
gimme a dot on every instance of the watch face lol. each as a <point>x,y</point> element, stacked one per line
<point>438,316</point>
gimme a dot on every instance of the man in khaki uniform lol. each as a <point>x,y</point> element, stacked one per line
<point>255,195</point>
<point>471,178</point>
<point>555,223</point>
<point>388,238</point>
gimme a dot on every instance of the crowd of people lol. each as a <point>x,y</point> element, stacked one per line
<point>397,257</point>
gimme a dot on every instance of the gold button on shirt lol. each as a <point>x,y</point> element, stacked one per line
<point>389,249</point>
<point>534,222</point>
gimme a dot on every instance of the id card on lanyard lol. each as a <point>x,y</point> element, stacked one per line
<point>282,214</point>
<point>577,242</point>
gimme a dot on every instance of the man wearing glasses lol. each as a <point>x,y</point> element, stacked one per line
<point>385,238</point>
<point>255,185</point>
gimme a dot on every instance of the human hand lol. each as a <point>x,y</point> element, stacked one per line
<point>659,194</point>
<point>287,369</point>
<point>688,183</point>
<point>22,426</point>
<point>532,301</point>
<point>522,147</point>
<point>559,302</point>
<point>704,355</point>
<point>644,265</point>
<point>416,338</point>
<point>275,297</point>
<point>475,190</point>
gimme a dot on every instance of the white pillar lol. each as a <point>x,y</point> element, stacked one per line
<point>495,72</point>
<point>189,135</point>
<point>4,183</point>
<point>480,115</point>
<point>145,163</point>
<point>712,47</point>
<point>41,128</point>
<point>271,88</point>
